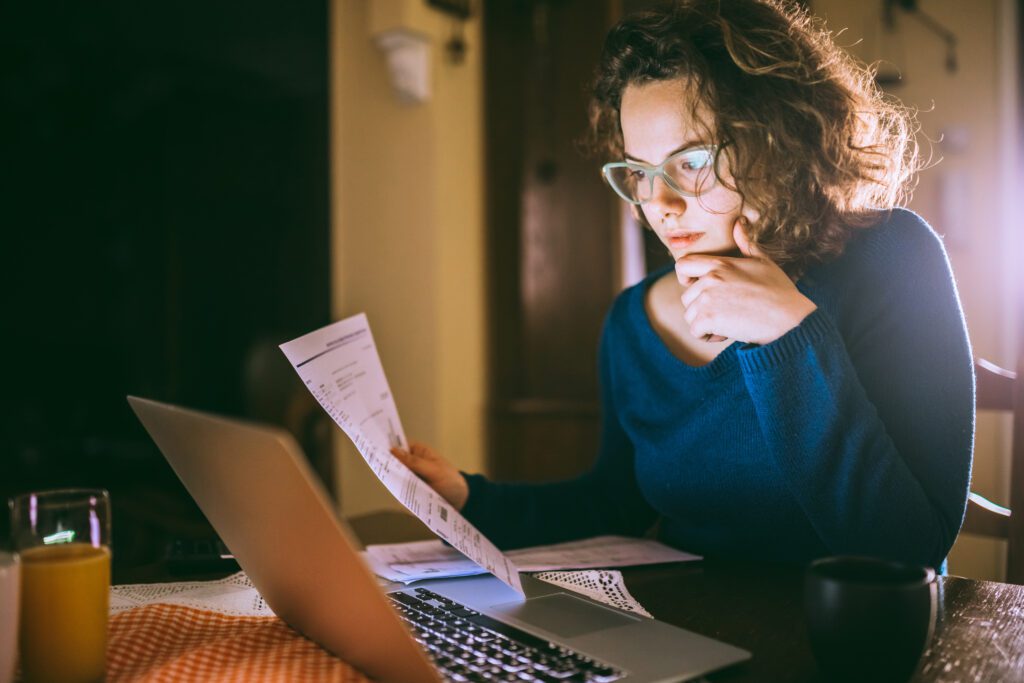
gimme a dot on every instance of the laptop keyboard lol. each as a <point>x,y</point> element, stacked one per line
<point>468,646</point>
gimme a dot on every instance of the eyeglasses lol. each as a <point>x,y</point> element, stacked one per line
<point>689,172</point>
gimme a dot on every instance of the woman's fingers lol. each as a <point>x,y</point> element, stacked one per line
<point>402,454</point>
<point>424,461</point>
<point>422,450</point>
<point>415,462</point>
<point>696,288</point>
<point>690,314</point>
<point>436,471</point>
<point>694,266</point>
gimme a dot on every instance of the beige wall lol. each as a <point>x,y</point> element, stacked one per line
<point>407,227</point>
<point>974,101</point>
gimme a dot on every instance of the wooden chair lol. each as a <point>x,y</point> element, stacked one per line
<point>1003,390</point>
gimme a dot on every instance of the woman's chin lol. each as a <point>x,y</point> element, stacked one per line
<point>677,252</point>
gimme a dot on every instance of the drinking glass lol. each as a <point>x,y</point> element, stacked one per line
<point>10,590</point>
<point>63,538</point>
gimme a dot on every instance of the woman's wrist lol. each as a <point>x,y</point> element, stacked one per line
<point>794,315</point>
<point>460,494</point>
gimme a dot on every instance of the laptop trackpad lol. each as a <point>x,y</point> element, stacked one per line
<point>564,615</point>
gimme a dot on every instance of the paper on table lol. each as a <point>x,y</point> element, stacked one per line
<point>236,596</point>
<point>340,366</point>
<point>600,551</point>
<point>408,562</point>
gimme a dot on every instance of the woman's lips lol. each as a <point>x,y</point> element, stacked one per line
<point>683,239</point>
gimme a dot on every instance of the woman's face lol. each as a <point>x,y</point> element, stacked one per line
<point>656,122</point>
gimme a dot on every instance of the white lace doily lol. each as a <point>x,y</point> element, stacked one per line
<point>233,596</point>
<point>236,596</point>
<point>603,585</point>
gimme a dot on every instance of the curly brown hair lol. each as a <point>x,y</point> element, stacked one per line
<point>813,144</point>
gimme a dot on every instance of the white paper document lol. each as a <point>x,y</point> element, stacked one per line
<point>340,366</point>
<point>408,562</point>
<point>235,595</point>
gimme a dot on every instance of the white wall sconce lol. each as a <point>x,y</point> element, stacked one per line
<point>408,57</point>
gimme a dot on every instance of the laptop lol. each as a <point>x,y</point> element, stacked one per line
<point>257,490</point>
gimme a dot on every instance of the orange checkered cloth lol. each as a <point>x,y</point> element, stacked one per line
<point>173,643</point>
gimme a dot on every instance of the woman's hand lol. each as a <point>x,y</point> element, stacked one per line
<point>440,474</point>
<point>747,298</point>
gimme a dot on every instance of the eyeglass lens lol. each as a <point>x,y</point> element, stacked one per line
<point>690,172</point>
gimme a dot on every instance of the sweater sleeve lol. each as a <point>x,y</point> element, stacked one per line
<point>604,500</point>
<point>874,433</point>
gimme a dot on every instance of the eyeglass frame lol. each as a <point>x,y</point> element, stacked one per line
<point>659,171</point>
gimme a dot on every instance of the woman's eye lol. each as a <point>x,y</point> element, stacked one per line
<point>695,162</point>
<point>638,174</point>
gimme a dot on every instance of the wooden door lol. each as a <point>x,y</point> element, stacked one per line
<point>552,236</point>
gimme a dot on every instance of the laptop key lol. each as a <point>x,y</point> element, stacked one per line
<point>548,678</point>
<point>406,599</point>
<point>469,646</point>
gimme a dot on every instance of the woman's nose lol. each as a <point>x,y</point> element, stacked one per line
<point>665,200</point>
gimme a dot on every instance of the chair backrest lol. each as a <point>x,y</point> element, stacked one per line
<point>1002,390</point>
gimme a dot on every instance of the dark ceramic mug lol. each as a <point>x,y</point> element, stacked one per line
<point>868,619</point>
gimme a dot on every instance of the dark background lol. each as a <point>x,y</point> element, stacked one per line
<point>164,194</point>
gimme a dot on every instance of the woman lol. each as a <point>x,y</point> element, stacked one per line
<point>800,383</point>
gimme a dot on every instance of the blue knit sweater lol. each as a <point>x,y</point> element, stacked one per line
<point>850,434</point>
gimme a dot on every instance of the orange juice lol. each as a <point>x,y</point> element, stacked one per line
<point>65,597</point>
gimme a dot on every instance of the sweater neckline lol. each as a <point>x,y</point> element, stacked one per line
<point>718,365</point>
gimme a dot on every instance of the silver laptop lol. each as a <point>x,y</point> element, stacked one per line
<point>256,488</point>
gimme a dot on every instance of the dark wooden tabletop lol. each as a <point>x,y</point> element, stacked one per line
<point>979,633</point>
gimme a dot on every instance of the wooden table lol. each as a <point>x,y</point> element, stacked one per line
<point>979,634</point>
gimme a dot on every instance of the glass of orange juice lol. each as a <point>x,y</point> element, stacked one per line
<point>63,538</point>
<point>10,596</point>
